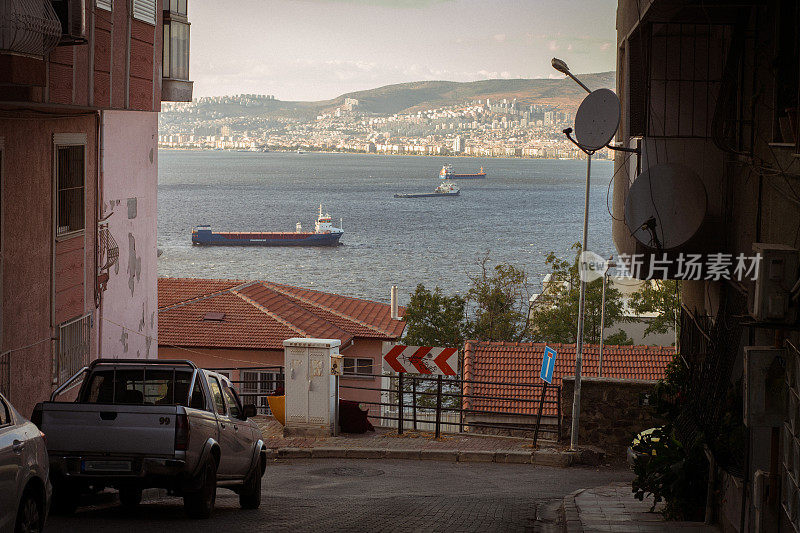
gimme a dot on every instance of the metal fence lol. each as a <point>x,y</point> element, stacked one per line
<point>73,347</point>
<point>439,404</point>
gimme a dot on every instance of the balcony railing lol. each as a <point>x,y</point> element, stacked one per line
<point>28,27</point>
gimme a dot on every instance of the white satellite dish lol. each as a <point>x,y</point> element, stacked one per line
<point>666,206</point>
<point>597,119</point>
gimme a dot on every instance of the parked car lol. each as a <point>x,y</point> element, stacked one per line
<point>24,485</point>
<point>138,424</point>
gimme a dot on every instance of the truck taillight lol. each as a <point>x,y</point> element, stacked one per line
<point>181,431</point>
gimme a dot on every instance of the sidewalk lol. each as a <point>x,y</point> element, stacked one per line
<point>385,443</point>
<point>613,508</point>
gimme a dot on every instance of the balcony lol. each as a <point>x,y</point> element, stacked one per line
<point>29,28</point>
<point>175,84</point>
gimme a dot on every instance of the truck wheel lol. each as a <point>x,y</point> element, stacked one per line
<point>130,496</point>
<point>250,494</point>
<point>66,498</point>
<point>200,503</point>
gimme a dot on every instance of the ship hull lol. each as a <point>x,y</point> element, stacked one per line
<point>466,176</point>
<point>210,238</point>
<point>427,195</point>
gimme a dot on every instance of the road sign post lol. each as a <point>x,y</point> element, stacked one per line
<point>546,373</point>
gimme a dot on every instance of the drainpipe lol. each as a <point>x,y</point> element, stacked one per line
<point>98,295</point>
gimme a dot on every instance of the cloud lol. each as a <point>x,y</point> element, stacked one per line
<point>500,37</point>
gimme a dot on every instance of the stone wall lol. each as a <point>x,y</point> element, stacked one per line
<point>612,412</point>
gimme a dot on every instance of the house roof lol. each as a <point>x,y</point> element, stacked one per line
<point>518,362</point>
<point>261,315</point>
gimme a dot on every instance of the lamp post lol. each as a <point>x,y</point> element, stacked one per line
<point>562,67</point>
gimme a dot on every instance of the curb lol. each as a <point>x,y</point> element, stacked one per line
<point>552,458</point>
<point>572,519</point>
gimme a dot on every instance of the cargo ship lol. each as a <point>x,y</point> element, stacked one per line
<point>324,234</point>
<point>447,174</point>
<point>445,188</point>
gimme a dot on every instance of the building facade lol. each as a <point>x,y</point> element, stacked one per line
<point>80,88</point>
<point>709,95</point>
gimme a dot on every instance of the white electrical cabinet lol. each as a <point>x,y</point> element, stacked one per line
<point>312,394</point>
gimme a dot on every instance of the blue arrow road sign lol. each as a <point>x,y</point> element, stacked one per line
<point>548,364</point>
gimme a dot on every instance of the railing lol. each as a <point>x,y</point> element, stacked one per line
<point>439,404</point>
<point>73,348</point>
<point>456,405</point>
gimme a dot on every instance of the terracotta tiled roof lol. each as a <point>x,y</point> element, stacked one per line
<point>261,315</point>
<point>511,362</point>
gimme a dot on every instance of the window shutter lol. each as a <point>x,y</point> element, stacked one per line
<point>145,10</point>
<point>104,4</point>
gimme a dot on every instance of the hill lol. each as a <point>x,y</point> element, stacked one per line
<point>406,97</point>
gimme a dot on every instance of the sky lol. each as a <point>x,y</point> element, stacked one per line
<point>319,49</point>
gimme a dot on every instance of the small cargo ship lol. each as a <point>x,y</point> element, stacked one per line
<point>324,234</point>
<point>447,174</point>
<point>445,188</point>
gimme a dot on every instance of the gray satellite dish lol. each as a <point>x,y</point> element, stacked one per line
<point>666,206</point>
<point>597,119</point>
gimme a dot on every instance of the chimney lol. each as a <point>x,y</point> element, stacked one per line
<point>393,292</point>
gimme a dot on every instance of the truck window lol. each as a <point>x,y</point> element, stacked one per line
<point>230,399</point>
<point>198,399</point>
<point>138,387</point>
<point>216,393</point>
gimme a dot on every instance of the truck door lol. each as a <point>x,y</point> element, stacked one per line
<point>227,433</point>
<point>242,452</point>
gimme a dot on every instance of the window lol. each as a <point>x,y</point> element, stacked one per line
<point>216,393</point>
<point>104,4</point>
<point>70,184</point>
<point>175,63</point>
<point>138,386</point>
<point>230,399</point>
<point>198,400</point>
<point>74,346</point>
<point>145,10</point>
<point>357,366</point>
<point>257,385</point>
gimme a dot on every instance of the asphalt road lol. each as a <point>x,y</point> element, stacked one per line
<point>369,495</point>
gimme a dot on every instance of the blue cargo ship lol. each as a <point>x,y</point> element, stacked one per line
<point>324,234</point>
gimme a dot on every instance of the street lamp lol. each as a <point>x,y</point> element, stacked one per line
<point>596,123</point>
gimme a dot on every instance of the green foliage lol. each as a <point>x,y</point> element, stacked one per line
<point>660,296</point>
<point>434,319</point>
<point>671,473</point>
<point>619,338</point>
<point>499,298</point>
<point>554,317</point>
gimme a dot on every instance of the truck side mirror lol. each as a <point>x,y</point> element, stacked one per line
<point>249,411</point>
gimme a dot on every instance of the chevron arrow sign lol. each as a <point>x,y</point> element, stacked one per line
<point>420,360</point>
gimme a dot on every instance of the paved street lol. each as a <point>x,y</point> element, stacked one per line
<point>370,495</point>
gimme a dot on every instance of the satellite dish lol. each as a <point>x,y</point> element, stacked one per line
<point>666,206</point>
<point>597,119</point>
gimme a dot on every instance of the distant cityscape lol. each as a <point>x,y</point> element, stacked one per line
<point>478,127</point>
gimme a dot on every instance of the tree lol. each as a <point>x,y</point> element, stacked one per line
<point>499,298</point>
<point>554,315</point>
<point>433,319</point>
<point>661,297</point>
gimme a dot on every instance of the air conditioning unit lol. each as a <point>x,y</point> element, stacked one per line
<point>72,14</point>
<point>770,299</point>
<point>764,393</point>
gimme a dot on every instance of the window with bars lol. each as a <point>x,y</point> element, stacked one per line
<point>175,62</point>
<point>70,175</point>
<point>257,385</point>
<point>357,366</point>
<point>73,348</point>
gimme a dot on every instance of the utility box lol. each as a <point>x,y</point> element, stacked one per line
<point>312,395</point>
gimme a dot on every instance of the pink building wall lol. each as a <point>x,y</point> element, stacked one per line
<point>129,306</point>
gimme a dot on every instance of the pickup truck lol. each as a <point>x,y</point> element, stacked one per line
<point>140,424</point>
